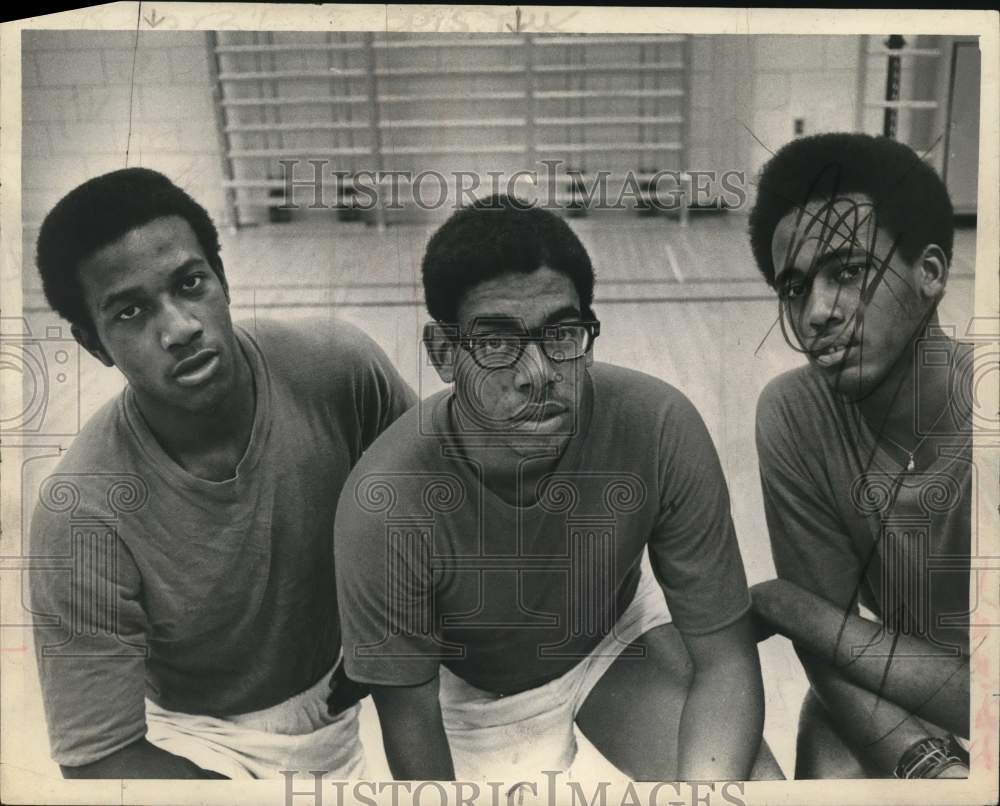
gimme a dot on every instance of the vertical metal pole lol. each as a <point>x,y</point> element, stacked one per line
<point>374,119</point>
<point>275,110</point>
<point>862,84</point>
<point>946,150</point>
<point>892,80</point>
<point>229,193</point>
<point>647,153</point>
<point>686,106</point>
<point>529,91</point>
<point>336,116</point>
<point>347,86</point>
<point>584,83</point>
<point>264,90</point>
<point>276,215</point>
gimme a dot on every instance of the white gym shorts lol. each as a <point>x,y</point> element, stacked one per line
<point>520,736</point>
<point>297,734</point>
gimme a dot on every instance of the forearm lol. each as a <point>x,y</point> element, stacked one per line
<point>907,670</point>
<point>416,746</point>
<point>721,724</point>
<point>878,730</point>
<point>140,760</point>
<point>423,757</point>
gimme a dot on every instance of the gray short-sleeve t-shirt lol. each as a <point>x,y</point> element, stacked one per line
<point>848,522</point>
<point>433,567</point>
<point>211,598</point>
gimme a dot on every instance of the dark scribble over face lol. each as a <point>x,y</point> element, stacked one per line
<point>848,299</point>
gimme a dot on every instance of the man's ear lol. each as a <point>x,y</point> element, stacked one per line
<point>441,342</point>
<point>220,272</point>
<point>932,267</point>
<point>588,313</point>
<point>89,342</point>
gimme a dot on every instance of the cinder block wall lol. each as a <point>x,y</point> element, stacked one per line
<point>90,95</point>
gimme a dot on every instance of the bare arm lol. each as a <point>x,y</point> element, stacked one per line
<point>876,728</point>
<point>723,716</point>
<point>914,674</point>
<point>416,746</point>
<point>139,760</point>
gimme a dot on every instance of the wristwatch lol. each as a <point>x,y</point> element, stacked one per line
<point>928,758</point>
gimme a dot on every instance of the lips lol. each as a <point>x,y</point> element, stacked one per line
<point>197,369</point>
<point>831,355</point>
<point>541,412</point>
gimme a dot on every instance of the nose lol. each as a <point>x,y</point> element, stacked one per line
<point>823,306</point>
<point>178,327</point>
<point>534,369</point>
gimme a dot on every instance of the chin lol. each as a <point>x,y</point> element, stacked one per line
<point>853,386</point>
<point>208,401</point>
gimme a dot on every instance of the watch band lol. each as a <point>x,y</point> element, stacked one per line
<point>928,758</point>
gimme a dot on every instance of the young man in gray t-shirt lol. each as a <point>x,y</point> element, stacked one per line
<point>492,545</point>
<point>866,458</point>
<point>198,634</point>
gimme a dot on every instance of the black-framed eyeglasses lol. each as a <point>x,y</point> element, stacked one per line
<point>499,349</point>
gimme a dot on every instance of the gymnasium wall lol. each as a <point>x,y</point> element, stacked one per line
<point>80,87</point>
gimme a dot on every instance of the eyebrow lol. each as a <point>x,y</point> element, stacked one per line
<point>844,253</point>
<point>502,319</point>
<point>841,254</point>
<point>132,291</point>
<point>563,313</point>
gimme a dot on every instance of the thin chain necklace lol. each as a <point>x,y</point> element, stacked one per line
<point>911,463</point>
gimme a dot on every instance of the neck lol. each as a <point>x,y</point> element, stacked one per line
<point>507,468</point>
<point>513,474</point>
<point>193,439</point>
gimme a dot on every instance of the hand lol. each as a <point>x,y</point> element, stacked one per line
<point>954,771</point>
<point>344,692</point>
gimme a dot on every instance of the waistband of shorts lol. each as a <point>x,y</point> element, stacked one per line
<point>319,690</point>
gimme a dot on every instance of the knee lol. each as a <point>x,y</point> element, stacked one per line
<point>664,646</point>
<point>813,713</point>
<point>820,750</point>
